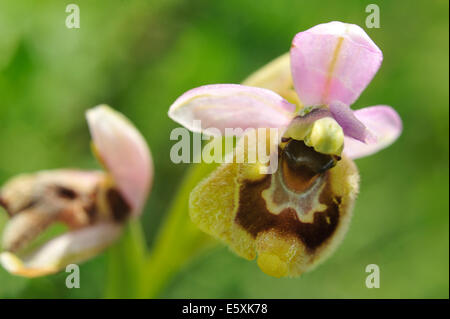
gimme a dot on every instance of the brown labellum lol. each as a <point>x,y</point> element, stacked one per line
<point>291,219</point>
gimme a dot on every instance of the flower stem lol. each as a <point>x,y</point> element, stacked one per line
<point>126,263</point>
<point>178,239</point>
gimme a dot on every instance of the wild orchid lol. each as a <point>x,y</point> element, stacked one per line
<point>94,205</point>
<point>292,219</point>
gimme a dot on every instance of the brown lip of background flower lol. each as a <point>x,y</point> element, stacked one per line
<point>290,220</point>
<point>93,205</point>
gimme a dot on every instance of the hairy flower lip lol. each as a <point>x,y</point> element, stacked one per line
<point>4,205</point>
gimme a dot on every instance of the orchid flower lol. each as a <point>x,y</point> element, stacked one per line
<point>93,205</point>
<point>292,219</point>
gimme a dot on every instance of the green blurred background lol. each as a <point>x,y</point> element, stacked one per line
<point>139,56</point>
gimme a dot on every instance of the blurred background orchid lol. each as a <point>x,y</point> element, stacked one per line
<point>139,56</point>
<point>94,205</point>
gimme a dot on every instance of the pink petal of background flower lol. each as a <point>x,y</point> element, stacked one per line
<point>124,152</point>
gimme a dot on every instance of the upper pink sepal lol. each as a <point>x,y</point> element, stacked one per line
<point>124,152</point>
<point>333,61</point>
<point>231,106</point>
<point>384,124</point>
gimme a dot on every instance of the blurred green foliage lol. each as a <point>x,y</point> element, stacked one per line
<point>139,56</point>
